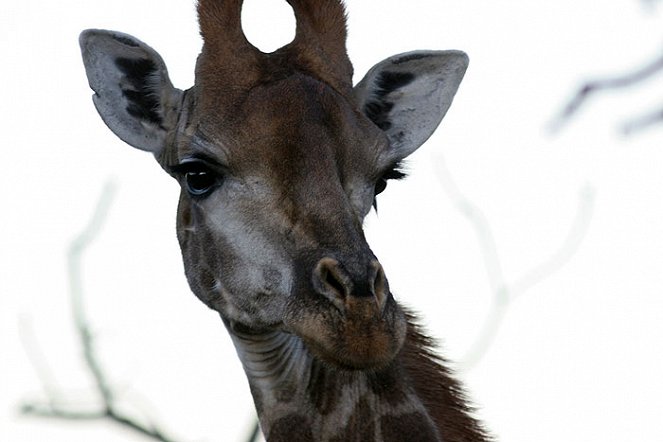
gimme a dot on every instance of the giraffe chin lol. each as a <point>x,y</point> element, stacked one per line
<point>357,339</point>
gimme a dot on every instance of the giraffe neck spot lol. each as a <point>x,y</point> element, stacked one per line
<point>294,392</point>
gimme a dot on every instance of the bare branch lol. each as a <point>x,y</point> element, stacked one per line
<point>61,412</point>
<point>505,293</point>
<point>571,244</point>
<point>592,87</point>
<point>255,432</point>
<point>37,360</point>
<point>643,122</point>
<point>75,253</point>
<point>55,407</point>
<point>650,4</point>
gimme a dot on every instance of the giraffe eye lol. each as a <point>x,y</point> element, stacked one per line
<point>395,172</point>
<point>199,179</point>
<point>380,186</point>
<point>200,182</point>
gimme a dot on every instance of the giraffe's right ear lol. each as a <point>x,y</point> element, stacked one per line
<point>132,91</point>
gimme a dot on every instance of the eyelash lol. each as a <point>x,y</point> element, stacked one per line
<point>395,172</point>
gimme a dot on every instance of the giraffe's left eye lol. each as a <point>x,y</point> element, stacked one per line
<point>393,173</point>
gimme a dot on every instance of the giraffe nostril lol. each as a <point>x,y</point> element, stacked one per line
<point>331,281</point>
<point>380,287</point>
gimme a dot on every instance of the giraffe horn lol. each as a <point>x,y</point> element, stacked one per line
<point>320,38</point>
<point>228,61</point>
<point>221,25</point>
<point>318,47</point>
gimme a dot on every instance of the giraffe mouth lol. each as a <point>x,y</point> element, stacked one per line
<point>360,337</point>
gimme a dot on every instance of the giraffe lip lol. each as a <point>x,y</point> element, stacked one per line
<point>240,328</point>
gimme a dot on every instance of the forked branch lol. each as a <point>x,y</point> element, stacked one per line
<point>503,291</point>
<point>593,87</point>
<point>55,406</point>
<point>650,3</point>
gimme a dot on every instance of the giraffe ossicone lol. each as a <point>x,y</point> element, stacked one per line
<point>280,158</point>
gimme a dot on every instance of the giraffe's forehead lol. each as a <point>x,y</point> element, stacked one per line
<point>291,118</point>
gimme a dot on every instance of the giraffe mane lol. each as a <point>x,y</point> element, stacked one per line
<point>439,391</point>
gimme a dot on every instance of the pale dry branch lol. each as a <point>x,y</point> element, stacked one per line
<point>650,4</point>
<point>593,87</point>
<point>55,405</point>
<point>255,432</point>
<point>74,259</point>
<point>643,122</point>
<point>38,361</point>
<point>504,292</point>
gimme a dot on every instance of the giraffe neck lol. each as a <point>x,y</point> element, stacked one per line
<point>299,398</point>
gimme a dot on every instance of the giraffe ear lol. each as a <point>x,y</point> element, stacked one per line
<point>132,91</point>
<point>407,95</point>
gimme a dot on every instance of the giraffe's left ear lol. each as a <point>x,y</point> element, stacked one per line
<point>133,93</point>
<point>407,95</point>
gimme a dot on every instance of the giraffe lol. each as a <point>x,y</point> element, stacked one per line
<point>280,158</point>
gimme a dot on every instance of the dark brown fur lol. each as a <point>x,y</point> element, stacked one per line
<point>228,68</point>
<point>441,394</point>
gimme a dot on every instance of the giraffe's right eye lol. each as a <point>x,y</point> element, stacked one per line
<point>199,183</point>
<point>198,178</point>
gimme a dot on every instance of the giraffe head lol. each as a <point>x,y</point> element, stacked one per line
<point>279,159</point>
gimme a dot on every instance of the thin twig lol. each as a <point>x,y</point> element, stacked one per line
<point>255,432</point>
<point>61,413</point>
<point>577,232</point>
<point>643,122</point>
<point>54,407</point>
<point>74,259</point>
<point>38,361</point>
<point>650,4</point>
<point>592,87</point>
<point>505,293</point>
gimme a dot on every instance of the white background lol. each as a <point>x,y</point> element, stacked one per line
<point>579,354</point>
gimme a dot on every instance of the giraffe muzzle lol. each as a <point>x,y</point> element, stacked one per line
<point>349,292</point>
<point>349,319</point>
